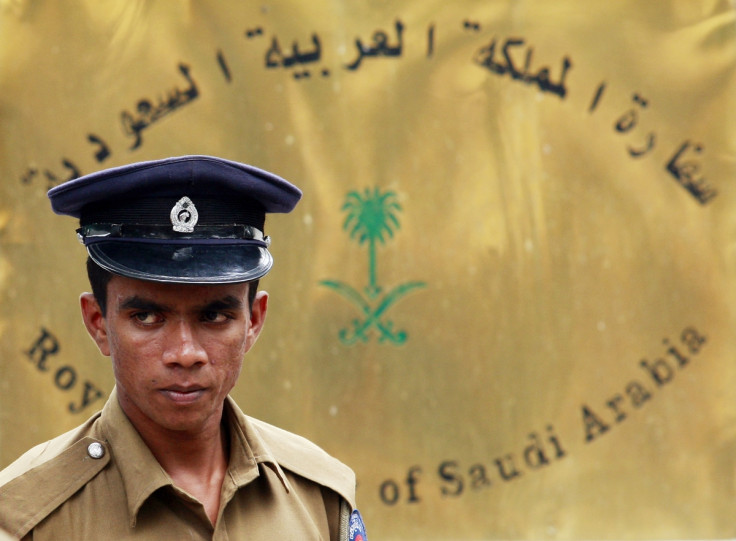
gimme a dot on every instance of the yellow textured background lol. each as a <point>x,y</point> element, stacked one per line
<point>553,260</point>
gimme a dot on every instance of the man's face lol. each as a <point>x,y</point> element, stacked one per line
<point>176,349</point>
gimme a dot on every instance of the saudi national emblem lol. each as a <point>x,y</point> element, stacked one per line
<point>371,219</point>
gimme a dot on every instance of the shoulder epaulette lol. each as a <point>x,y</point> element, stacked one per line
<point>32,496</point>
<point>301,456</point>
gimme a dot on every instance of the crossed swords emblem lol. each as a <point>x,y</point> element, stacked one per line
<point>372,313</point>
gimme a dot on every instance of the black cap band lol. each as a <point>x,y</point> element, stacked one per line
<point>156,211</point>
<point>92,233</point>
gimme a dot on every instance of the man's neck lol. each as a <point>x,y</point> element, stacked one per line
<point>198,467</point>
<point>195,461</point>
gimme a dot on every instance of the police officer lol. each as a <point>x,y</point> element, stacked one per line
<point>176,248</point>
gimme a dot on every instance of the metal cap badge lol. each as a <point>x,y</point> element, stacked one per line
<point>184,215</point>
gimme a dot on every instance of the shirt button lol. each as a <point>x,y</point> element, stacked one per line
<point>95,450</point>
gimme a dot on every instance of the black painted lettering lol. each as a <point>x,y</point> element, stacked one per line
<point>89,395</point>
<point>478,477</point>
<point>46,345</point>
<point>679,357</point>
<point>614,405</point>
<point>534,454</point>
<point>449,474</point>
<point>65,378</point>
<point>412,478</point>
<point>660,371</point>
<point>554,440</point>
<point>594,426</point>
<point>692,339</point>
<point>637,393</point>
<point>389,492</point>
<point>507,475</point>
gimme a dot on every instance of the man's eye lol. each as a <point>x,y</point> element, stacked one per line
<point>214,317</point>
<point>147,318</point>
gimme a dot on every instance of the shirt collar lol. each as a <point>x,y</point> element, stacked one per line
<point>247,448</point>
<point>142,474</point>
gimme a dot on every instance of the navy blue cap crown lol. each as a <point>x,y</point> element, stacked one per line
<point>188,219</point>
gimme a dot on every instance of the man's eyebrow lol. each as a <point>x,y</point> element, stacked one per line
<point>144,305</point>
<point>226,303</point>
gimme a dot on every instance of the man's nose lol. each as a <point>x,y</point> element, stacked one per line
<point>184,348</point>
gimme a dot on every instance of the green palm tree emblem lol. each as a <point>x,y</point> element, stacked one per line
<point>372,218</point>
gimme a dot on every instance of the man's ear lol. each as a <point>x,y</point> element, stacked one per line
<point>257,318</point>
<point>95,322</point>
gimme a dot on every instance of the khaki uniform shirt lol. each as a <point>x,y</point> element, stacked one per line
<point>277,486</point>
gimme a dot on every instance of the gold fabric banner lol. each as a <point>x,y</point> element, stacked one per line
<point>507,298</point>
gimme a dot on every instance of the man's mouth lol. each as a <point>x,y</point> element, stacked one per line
<point>183,394</point>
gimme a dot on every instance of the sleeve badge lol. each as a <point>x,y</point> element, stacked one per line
<point>356,531</point>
